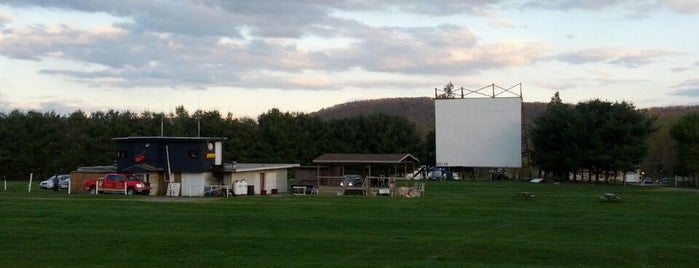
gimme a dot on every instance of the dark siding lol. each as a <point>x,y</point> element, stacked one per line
<point>186,154</point>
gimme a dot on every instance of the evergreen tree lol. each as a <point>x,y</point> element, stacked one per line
<point>686,135</point>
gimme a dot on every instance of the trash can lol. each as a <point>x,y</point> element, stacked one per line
<point>251,189</point>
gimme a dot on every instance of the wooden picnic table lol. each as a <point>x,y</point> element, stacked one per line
<point>524,195</point>
<point>609,197</point>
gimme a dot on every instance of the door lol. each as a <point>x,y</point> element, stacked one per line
<point>113,183</point>
<point>263,187</point>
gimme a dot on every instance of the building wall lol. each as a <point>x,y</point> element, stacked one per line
<point>192,184</point>
<point>309,175</point>
<point>77,180</point>
<point>273,179</point>
<point>188,155</point>
<point>161,183</point>
<point>155,178</point>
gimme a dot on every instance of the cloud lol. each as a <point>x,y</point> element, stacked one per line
<point>257,44</point>
<point>625,57</point>
<point>689,92</point>
<point>443,7</point>
<point>505,23</point>
<point>682,6</point>
<point>688,83</point>
<point>58,106</point>
<point>35,42</point>
<point>443,49</point>
<point>688,88</point>
<point>4,18</point>
<point>680,69</point>
<point>632,8</point>
<point>135,58</point>
<point>572,4</point>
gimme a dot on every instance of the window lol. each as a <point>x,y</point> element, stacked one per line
<point>121,154</point>
<point>143,177</point>
<point>194,154</point>
<point>114,178</point>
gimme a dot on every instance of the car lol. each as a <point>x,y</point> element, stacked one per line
<point>666,180</point>
<point>352,181</point>
<point>48,183</point>
<point>647,180</point>
<point>64,183</point>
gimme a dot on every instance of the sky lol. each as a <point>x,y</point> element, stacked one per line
<point>247,57</point>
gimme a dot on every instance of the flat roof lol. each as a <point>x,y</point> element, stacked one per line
<point>365,158</point>
<point>154,138</point>
<point>228,167</point>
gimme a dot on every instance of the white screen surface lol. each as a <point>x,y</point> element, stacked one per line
<point>478,132</point>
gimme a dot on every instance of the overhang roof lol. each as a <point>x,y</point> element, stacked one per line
<point>247,167</point>
<point>97,169</point>
<point>365,158</point>
<point>139,168</point>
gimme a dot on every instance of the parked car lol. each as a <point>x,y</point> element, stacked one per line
<point>64,183</point>
<point>647,180</point>
<point>48,183</point>
<point>352,181</point>
<point>666,180</point>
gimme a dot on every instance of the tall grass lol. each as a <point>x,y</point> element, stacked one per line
<point>457,224</point>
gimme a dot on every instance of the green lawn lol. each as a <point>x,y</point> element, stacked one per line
<point>457,224</point>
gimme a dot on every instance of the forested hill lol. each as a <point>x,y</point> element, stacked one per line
<point>421,110</point>
<point>418,110</point>
<point>661,152</point>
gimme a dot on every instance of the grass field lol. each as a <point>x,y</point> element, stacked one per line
<point>457,224</point>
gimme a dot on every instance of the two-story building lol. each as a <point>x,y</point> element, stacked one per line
<point>194,164</point>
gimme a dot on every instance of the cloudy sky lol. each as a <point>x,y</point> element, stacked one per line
<point>246,57</point>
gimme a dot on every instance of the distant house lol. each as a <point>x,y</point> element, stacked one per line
<point>195,164</point>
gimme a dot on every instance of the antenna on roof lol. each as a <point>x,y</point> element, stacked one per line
<point>199,116</point>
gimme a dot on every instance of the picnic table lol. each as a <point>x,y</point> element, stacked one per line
<point>524,195</point>
<point>609,197</point>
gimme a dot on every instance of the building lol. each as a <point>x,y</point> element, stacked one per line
<point>193,166</point>
<point>378,170</point>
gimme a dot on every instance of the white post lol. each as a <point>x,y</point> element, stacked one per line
<point>171,179</point>
<point>5,179</point>
<point>125,188</point>
<point>97,187</point>
<point>69,185</point>
<point>31,176</point>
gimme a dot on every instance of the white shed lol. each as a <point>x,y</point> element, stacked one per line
<point>264,178</point>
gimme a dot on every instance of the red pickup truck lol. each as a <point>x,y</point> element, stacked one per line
<point>121,183</point>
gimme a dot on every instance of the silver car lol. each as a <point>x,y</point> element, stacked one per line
<point>64,183</point>
<point>48,183</point>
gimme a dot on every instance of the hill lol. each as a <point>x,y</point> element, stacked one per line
<point>658,163</point>
<point>418,110</point>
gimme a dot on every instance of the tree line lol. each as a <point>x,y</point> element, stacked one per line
<point>46,143</point>
<point>601,138</point>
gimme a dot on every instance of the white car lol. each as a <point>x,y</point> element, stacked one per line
<point>48,183</point>
<point>64,183</point>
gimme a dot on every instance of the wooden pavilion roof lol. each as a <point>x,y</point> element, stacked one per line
<point>365,158</point>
